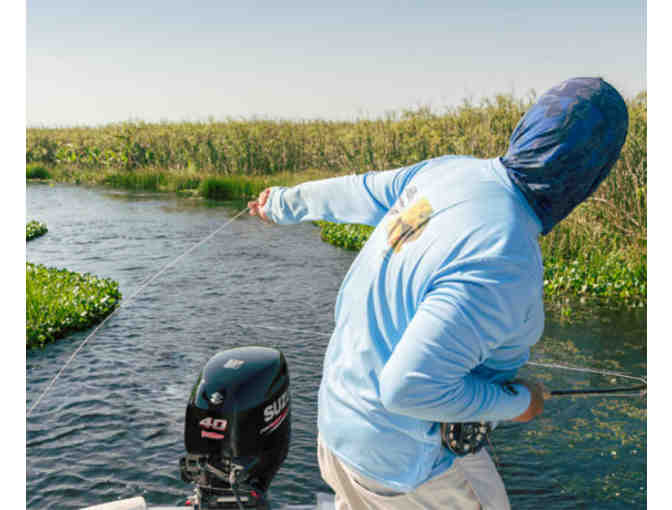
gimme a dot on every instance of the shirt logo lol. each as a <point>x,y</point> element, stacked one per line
<point>407,222</point>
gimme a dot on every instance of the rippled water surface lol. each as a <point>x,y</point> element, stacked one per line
<point>112,425</point>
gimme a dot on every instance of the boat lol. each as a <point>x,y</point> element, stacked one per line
<point>323,502</point>
<point>236,434</point>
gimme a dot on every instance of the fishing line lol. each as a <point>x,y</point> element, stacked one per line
<point>128,301</point>
<point>590,370</point>
<point>282,329</point>
<point>636,391</point>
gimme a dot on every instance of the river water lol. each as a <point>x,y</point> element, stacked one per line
<point>112,425</point>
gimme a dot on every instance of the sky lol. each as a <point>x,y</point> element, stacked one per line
<point>91,63</point>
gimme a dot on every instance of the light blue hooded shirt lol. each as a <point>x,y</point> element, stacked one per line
<point>440,306</point>
<point>444,301</point>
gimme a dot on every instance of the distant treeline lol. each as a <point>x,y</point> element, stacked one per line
<point>609,230</point>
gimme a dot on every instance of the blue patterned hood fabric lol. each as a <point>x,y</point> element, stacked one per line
<point>565,146</point>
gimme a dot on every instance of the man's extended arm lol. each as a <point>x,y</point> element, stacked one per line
<point>361,199</point>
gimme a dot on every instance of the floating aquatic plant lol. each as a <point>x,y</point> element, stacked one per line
<point>59,302</point>
<point>35,229</point>
<point>348,236</point>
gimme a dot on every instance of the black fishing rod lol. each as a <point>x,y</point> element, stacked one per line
<point>632,391</point>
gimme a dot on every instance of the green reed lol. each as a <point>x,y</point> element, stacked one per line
<point>36,171</point>
<point>269,147</point>
<point>603,241</point>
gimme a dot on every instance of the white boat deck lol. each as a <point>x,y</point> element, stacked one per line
<point>324,502</point>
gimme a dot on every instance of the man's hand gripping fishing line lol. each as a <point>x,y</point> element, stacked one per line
<point>537,393</point>
<point>256,207</point>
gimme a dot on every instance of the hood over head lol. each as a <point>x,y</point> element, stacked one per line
<point>565,145</point>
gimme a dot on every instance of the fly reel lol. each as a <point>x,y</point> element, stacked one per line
<point>465,438</point>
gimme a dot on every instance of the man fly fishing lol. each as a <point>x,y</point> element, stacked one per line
<point>441,306</point>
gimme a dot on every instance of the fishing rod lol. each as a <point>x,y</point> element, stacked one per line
<point>633,391</point>
<point>464,438</point>
<point>630,391</point>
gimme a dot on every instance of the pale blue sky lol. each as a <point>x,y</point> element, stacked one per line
<point>98,62</point>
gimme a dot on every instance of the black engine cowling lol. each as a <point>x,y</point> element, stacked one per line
<point>237,427</point>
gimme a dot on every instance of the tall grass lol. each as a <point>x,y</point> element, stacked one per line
<point>269,147</point>
<point>238,158</point>
<point>264,147</point>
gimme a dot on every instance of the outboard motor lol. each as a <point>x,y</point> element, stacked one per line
<point>237,428</point>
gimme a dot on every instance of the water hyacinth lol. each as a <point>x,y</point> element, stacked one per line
<point>35,229</point>
<point>350,237</point>
<point>59,302</point>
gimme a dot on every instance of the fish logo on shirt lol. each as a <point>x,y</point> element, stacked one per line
<point>407,222</point>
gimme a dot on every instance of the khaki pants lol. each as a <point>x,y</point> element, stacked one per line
<point>471,483</point>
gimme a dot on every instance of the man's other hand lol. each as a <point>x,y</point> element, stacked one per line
<point>257,207</point>
<point>536,402</point>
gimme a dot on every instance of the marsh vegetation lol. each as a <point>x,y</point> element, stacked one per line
<point>35,229</point>
<point>599,251</point>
